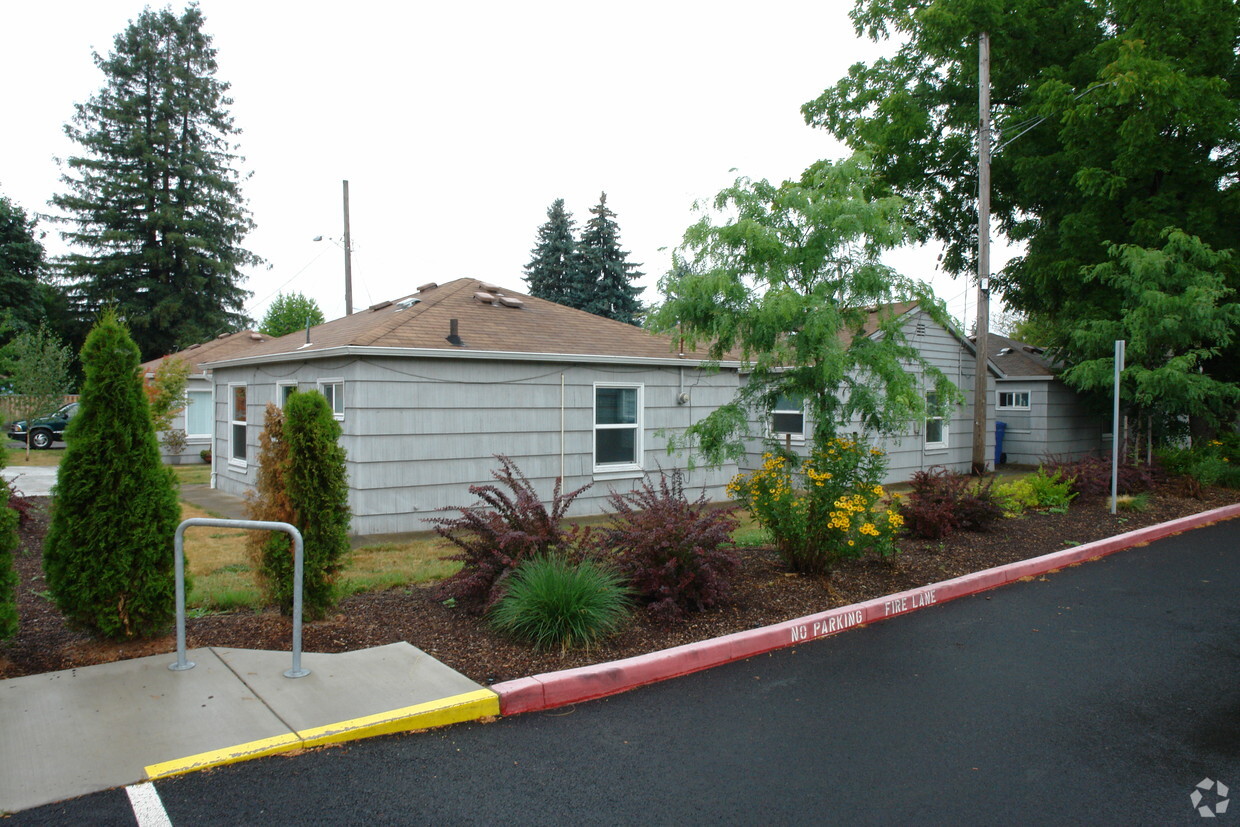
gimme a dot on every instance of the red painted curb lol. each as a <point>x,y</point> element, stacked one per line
<point>569,686</point>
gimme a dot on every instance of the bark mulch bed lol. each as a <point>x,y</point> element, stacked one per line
<point>764,592</point>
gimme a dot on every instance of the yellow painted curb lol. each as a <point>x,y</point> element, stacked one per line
<point>469,706</point>
<point>228,755</point>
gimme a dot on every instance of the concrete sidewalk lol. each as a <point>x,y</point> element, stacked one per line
<point>78,731</point>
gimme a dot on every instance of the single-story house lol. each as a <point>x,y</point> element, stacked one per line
<point>1042,416</point>
<point>429,388</point>
<point>197,419</point>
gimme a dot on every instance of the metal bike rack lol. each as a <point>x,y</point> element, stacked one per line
<point>298,572</point>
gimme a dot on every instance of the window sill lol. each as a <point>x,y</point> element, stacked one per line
<point>238,463</point>
<point>606,474</point>
<point>934,449</point>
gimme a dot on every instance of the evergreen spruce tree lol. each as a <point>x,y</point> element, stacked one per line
<point>552,270</point>
<point>22,260</point>
<point>604,279</point>
<point>154,201</point>
<point>318,490</point>
<point>108,555</point>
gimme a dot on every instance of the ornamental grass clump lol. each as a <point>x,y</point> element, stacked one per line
<point>555,603</point>
<point>822,509</point>
<point>497,534</point>
<point>671,550</point>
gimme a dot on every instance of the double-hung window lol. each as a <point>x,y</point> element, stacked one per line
<point>236,422</point>
<point>936,426</point>
<point>788,418</point>
<point>283,391</point>
<point>199,416</point>
<point>617,427</point>
<point>333,389</point>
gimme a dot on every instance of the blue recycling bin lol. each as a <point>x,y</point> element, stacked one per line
<point>1000,430</point>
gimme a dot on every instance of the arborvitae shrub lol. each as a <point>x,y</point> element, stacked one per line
<point>108,555</point>
<point>495,535</point>
<point>670,549</point>
<point>8,574</point>
<point>271,552</point>
<point>318,490</point>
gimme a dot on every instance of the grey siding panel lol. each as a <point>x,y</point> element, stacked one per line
<point>418,433</point>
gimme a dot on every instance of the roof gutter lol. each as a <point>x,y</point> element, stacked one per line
<point>454,353</point>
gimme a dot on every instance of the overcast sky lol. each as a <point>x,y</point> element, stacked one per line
<point>457,124</point>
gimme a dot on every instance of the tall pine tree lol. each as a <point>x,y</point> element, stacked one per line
<point>605,275</point>
<point>154,199</point>
<point>552,271</point>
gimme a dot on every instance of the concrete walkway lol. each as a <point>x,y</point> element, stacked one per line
<point>78,731</point>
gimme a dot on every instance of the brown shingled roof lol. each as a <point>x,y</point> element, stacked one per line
<point>1016,358</point>
<point>423,320</point>
<point>225,346</point>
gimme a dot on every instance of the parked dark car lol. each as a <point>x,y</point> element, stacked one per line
<point>44,431</point>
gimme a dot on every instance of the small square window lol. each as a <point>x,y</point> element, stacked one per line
<point>334,392</point>
<point>788,417</point>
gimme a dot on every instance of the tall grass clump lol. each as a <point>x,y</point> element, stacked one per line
<point>554,603</point>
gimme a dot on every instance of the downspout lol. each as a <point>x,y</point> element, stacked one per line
<point>561,429</point>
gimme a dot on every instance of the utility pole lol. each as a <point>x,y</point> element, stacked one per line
<point>348,257</point>
<point>983,256</point>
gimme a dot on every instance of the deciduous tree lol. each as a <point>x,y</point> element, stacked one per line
<point>289,314</point>
<point>39,374</point>
<point>790,278</point>
<point>153,201</point>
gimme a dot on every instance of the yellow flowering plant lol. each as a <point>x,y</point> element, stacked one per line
<point>821,508</point>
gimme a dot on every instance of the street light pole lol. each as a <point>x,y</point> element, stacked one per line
<point>983,256</point>
<point>348,257</point>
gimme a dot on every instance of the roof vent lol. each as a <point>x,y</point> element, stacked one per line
<point>1032,349</point>
<point>483,296</point>
<point>258,337</point>
<point>430,285</point>
<point>453,335</point>
<point>405,304</point>
<point>379,306</point>
<point>487,286</point>
<point>510,301</point>
<point>1004,351</point>
<point>223,336</point>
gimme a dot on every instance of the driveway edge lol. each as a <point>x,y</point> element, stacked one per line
<point>569,686</point>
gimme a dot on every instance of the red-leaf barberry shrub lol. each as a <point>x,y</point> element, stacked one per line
<point>943,501</point>
<point>1091,475</point>
<point>495,535</point>
<point>672,551</point>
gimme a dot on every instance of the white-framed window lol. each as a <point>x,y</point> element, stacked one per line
<point>236,424</point>
<point>199,414</point>
<point>788,418</point>
<point>1012,400</point>
<point>333,390</point>
<point>936,426</point>
<point>283,390</point>
<point>617,427</point>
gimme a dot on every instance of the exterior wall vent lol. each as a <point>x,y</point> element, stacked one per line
<point>921,329</point>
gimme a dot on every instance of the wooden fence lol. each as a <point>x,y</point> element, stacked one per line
<point>10,406</point>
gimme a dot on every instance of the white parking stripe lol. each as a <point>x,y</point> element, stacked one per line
<point>147,808</point>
